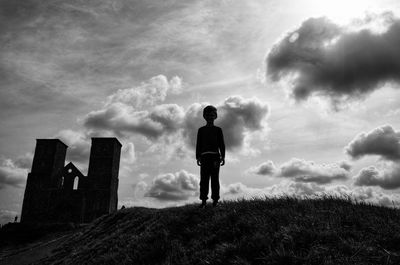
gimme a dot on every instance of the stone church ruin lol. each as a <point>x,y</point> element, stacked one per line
<point>61,193</point>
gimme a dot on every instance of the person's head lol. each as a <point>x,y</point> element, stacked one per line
<point>210,113</point>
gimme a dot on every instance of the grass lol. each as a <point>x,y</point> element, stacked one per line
<point>282,230</point>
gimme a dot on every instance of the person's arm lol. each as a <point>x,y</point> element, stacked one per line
<point>221,147</point>
<point>198,145</point>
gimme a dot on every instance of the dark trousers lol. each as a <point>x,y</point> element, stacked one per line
<point>209,168</point>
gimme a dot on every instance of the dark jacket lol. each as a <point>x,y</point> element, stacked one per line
<point>210,139</point>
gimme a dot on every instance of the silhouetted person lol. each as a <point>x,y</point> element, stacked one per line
<point>16,219</point>
<point>210,154</point>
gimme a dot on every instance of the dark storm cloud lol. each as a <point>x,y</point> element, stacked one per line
<point>11,174</point>
<point>307,171</point>
<point>174,187</point>
<point>383,141</point>
<point>329,60</point>
<point>236,116</point>
<point>388,178</point>
<point>122,119</point>
<point>266,169</point>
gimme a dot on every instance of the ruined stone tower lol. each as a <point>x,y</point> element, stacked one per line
<point>48,161</point>
<point>103,177</point>
<point>58,193</point>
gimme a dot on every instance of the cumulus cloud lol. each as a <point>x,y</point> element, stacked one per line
<point>369,194</point>
<point>174,187</point>
<point>123,119</point>
<point>345,165</point>
<point>386,178</point>
<point>147,93</point>
<point>78,145</point>
<point>7,216</point>
<point>235,188</point>
<point>307,171</point>
<point>11,174</point>
<point>236,116</point>
<point>24,161</point>
<point>302,189</point>
<point>139,188</point>
<point>127,110</point>
<point>265,168</point>
<point>301,170</point>
<point>291,188</point>
<point>326,59</point>
<point>183,186</point>
<point>383,141</point>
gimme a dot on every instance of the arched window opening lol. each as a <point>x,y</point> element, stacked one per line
<point>62,182</point>
<point>76,180</point>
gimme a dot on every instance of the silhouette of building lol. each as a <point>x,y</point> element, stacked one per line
<point>61,193</point>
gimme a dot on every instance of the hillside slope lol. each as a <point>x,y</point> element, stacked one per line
<point>259,231</point>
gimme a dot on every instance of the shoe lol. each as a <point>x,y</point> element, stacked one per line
<point>215,203</point>
<point>203,205</point>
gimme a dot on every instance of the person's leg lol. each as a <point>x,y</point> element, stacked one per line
<point>215,180</point>
<point>204,179</point>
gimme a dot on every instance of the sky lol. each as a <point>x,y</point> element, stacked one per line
<point>307,94</point>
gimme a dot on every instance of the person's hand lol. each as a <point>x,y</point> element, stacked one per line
<point>222,161</point>
<point>198,162</point>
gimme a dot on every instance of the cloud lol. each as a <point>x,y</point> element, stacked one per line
<point>301,189</point>
<point>265,168</point>
<point>124,112</point>
<point>11,174</point>
<point>123,119</point>
<point>235,188</point>
<point>304,171</point>
<point>345,165</point>
<point>307,171</point>
<point>291,188</point>
<point>369,194</point>
<point>147,93</point>
<point>174,187</point>
<point>24,161</point>
<point>237,116</point>
<point>304,189</point>
<point>7,216</point>
<point>325,59</point>
<point>386,178</point>
<point>183,186</point>
<point>383,141</point>
<point>78,144</point>
<point>139,188</point>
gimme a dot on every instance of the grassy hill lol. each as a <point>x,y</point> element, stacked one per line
<point>259,231</point>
